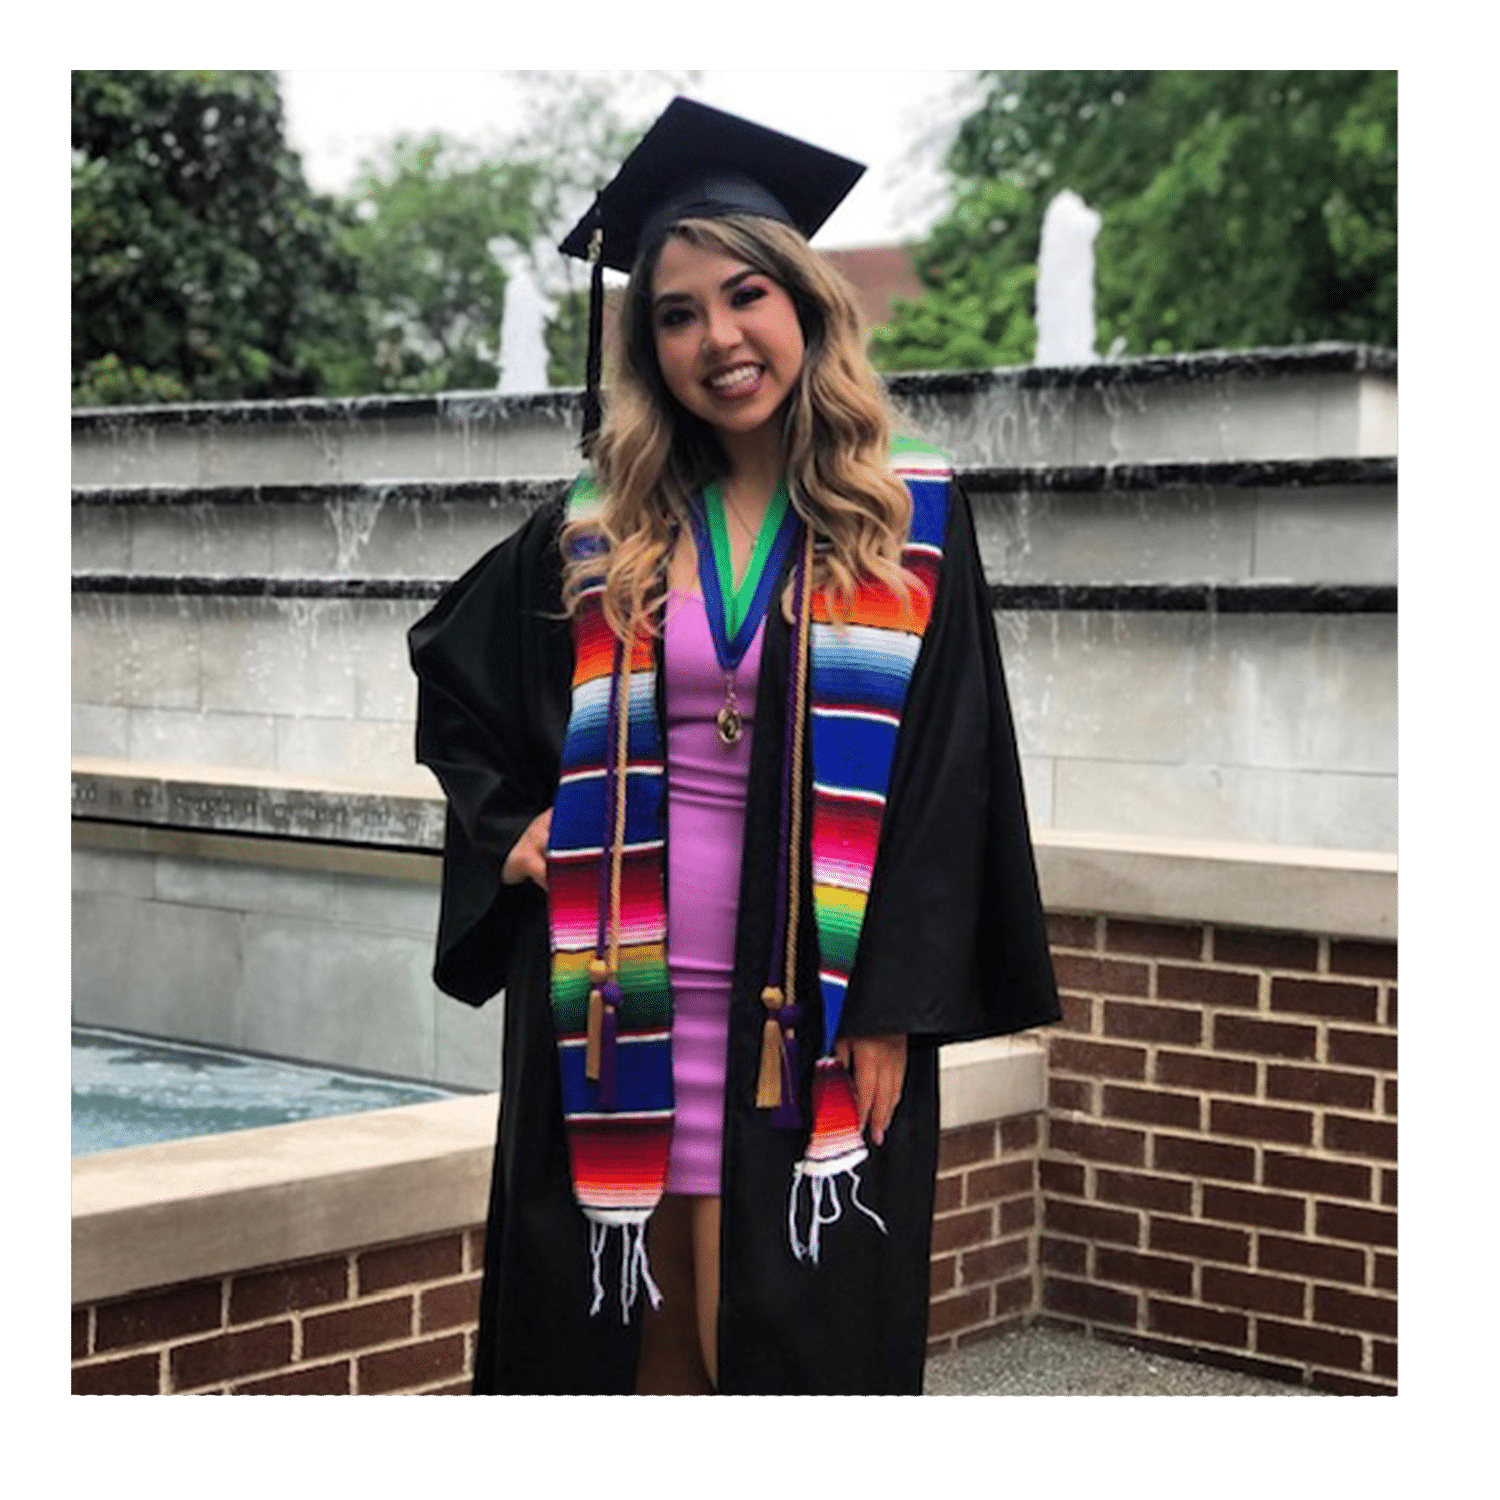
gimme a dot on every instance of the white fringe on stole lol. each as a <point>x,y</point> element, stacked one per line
<point>635,1268</point>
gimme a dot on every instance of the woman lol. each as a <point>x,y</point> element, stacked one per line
<point>676,720</point>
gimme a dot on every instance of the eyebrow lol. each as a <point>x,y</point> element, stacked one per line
<point>724,286</point>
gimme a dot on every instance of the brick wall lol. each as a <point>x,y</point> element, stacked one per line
<point>401,1318</point>
<point>1219,1170</point>
<point>385,1320</point>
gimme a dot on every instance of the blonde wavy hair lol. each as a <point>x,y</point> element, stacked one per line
<point>651,454</point>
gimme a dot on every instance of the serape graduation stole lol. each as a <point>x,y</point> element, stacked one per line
<point>611,997</point>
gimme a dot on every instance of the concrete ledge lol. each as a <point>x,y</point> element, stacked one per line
<point>181,1211</point>
<point>1342,893</point>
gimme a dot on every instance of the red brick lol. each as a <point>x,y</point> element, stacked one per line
<point>1328,999</point>
<point>1101,976</point>
<point>1077,1013</point>
<point>474,1249</point>
<point>1017,1214</point>
<point>1125,1148</point>
<point>1153,1273</point>
<point>1153,1023</point>
<point>1153,1107</point>
<point>1214,1075</point>
<point>419,1260</point>
<point>966,1145</point>
<point>1090,1302</point>
<point>1208,986</point>
<point>1096,1059</point>
<point>942,1275</point>
<point>1257,1122</point>
<point>1012,1297</point>
<point>1062,1178</point>
<point>1310,1258</point>
<point>1005,1180</point>
<point>1388,1101</point>
<point>1384,1278</point>
<point>1362,1049</point>
<point>1264,950</point>
<point>1021,1133</point>
<point>1345,1309</point>
<point>80,1332</point>
<point>452,1306</point>
<point>954,1231</point>
<point>1346,1385</point>
<point>210,1361</point>
<point>288,1288</point>
<point>1154,939</point>
<point>1266,1038</point>
<point>994,1262</point>
<point>1384,1361</point>
<point>1073,1096</point>
<point>1320,1086</point>
<point>1137,1190</point>
<point>1389,1017</point>
<point>1365,1226</point>
<point>1199,1158</point>
<point>1388,1187</point>
<point>949,1314</point>
<point>411,1365</point>
<point>1198,1324</point>
<point>1377,960</point>
<point>357,1327</point>
<point>1313,1346</point>
<point>311,1380</point>
<point>1262,1210</point>
<point>1199,1240</point>
<point>158,1317</point>
<point>1253,1293</point>
<point>1312,1174</point>
<point>1068,1256</point>
<point>1088,1222</point>
<point>1065,931</point>
<point>135,1375</point>
<point>1375,1138</point>
<point>948,1193</point>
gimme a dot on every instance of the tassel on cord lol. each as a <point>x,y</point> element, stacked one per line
<point>768,1088</point>
<point>598,973</point>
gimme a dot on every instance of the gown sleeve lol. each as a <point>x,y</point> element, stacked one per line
<point>954,943</point>
<point>493,663</point>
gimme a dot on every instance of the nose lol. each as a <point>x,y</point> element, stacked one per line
<point>720,330</point>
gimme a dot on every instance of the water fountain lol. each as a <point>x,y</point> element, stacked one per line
<point>1065,282</point>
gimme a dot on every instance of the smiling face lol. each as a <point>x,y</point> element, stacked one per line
<point>728,341</point>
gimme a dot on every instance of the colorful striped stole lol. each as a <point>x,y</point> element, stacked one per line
<point>610,993</point>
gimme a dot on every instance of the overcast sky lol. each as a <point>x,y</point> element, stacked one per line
<point>894,121</point>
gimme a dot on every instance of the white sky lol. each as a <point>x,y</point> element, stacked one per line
<point>895,121</point>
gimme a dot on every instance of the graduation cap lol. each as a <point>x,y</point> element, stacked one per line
<point>697,162</point>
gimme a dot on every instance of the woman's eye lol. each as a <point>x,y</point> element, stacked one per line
<point>744,295</point>
<point>672,317</point>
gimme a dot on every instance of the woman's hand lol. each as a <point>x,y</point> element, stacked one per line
<point>527,859</point>
<point>878,1067</point>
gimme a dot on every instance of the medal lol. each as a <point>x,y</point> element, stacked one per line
<point>731,725</point>
<point>734,614</point>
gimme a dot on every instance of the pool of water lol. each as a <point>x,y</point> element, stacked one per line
<point>133,1090</point>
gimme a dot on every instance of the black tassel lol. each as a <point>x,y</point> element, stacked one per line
<point>591,405</point>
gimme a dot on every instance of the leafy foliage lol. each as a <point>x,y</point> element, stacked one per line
<point>203,267</point>
<point>1239,209</point>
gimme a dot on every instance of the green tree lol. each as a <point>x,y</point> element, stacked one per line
<point>1239,209</point>
<point>430,215</point>
<point>203,267</point>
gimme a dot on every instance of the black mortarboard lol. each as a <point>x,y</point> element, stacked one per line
<point>697,162</point>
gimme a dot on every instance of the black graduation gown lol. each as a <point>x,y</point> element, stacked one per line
<point>953,946</point>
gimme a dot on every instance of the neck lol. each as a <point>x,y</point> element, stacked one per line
<point>756,462</point>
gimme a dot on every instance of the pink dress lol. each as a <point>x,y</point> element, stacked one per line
<point>706,782</point>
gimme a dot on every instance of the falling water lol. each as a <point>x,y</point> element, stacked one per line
<point>1065,282</point>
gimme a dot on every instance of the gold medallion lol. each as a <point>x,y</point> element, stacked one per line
<point>731,726</point>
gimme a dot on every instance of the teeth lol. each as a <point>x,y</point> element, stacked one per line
<point>740,375</point>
